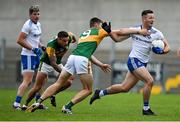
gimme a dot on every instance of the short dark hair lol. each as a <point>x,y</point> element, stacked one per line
<point>34,8</point>
<point>62,34</point>
<point>145,12</point>
<point>95,20</point>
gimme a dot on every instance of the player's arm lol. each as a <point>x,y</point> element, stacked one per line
<point>118,37</point>
<point>41,46</point>
<point>128,31</point>
<point>166,46</point>
<point>52,58</point>
<point>124,33</point>
<point>73,37</point>
<point>22,41</point>
<point>104,67</point>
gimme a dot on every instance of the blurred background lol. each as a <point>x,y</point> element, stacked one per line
<point>74,16</point>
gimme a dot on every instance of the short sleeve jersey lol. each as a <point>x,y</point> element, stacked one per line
<point>89,41</point>
<point>54,49</point>
<point>141,45</point>
<point>33,32</point>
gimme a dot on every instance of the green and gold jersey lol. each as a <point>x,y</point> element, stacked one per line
<point>54,49</point>
<point>89,41</point>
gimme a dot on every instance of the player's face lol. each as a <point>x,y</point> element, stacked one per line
<point>63,41</point>
<point>148,20</point>
<point>35,17</point>
<point>97,25</point>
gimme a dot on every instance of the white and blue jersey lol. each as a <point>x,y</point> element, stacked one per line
<point>141,47</point>
<point>29,60</point>
<point>33,32</point>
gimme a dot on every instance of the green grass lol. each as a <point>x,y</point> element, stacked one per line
<point>126,107</point>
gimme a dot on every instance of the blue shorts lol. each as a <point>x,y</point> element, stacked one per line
<point>134,63</point>
<point>29,63</point>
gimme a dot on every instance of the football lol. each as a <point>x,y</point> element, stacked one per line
<point>158,43</point>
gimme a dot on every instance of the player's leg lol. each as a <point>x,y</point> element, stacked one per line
<point>87,81</point>
<point>27,78</point>
<point>66,85</point>
<point>39,83</point>
<point>51,90</point>
<point>82,69</point>
<point>28,67</point>
<point>143,74</point>
<point>129,81</point>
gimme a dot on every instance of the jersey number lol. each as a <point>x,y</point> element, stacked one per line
<point>85,34</point>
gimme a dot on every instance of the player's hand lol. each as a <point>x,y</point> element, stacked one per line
<point>106,27</point>
<point>157,50</point>
<point>144,32</point>
<point>106,68</point>
<point>43,48</point>
<point>37,51</point>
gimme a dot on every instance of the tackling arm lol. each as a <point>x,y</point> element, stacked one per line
<point>53,59</point>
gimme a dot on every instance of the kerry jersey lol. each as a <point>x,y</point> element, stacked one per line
<point>54,49</point>
<point>89,41</point>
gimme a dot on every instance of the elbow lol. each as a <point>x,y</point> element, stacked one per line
<point>18,41</point>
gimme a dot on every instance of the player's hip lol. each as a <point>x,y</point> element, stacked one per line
<point>78,64</point>
<point>134,63</point>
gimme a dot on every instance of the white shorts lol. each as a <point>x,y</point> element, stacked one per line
<point>29,63</point>
<point>78,64</point>
<point>47,69</point>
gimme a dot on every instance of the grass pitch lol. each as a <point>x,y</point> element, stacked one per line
<point>120,107</point>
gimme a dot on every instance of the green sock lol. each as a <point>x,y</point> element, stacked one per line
<point>69,105</point>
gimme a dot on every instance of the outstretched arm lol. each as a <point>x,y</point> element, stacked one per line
<point>104,67</point>
<point>124,33</point>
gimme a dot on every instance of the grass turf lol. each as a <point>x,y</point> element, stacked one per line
<point>126,107</point>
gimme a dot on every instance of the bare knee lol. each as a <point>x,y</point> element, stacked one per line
<point>149,82</point>
<point>69,82</point>
<point>25,84</point>
<point>88,91</point>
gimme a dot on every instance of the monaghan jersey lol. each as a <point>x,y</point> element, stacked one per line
<point>141,45</point>
<point>33,32</point>
<point>54,49</point>
<point>89,41</point>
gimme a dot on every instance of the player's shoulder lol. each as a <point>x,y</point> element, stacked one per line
<point>28,23</point>
<point>51,42</point>
<point>155,30</point>
<point>38,23</point>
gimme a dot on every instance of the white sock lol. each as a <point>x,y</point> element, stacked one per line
<point>146,108</point>
<point>101,93</point>
<point>16,104</point>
